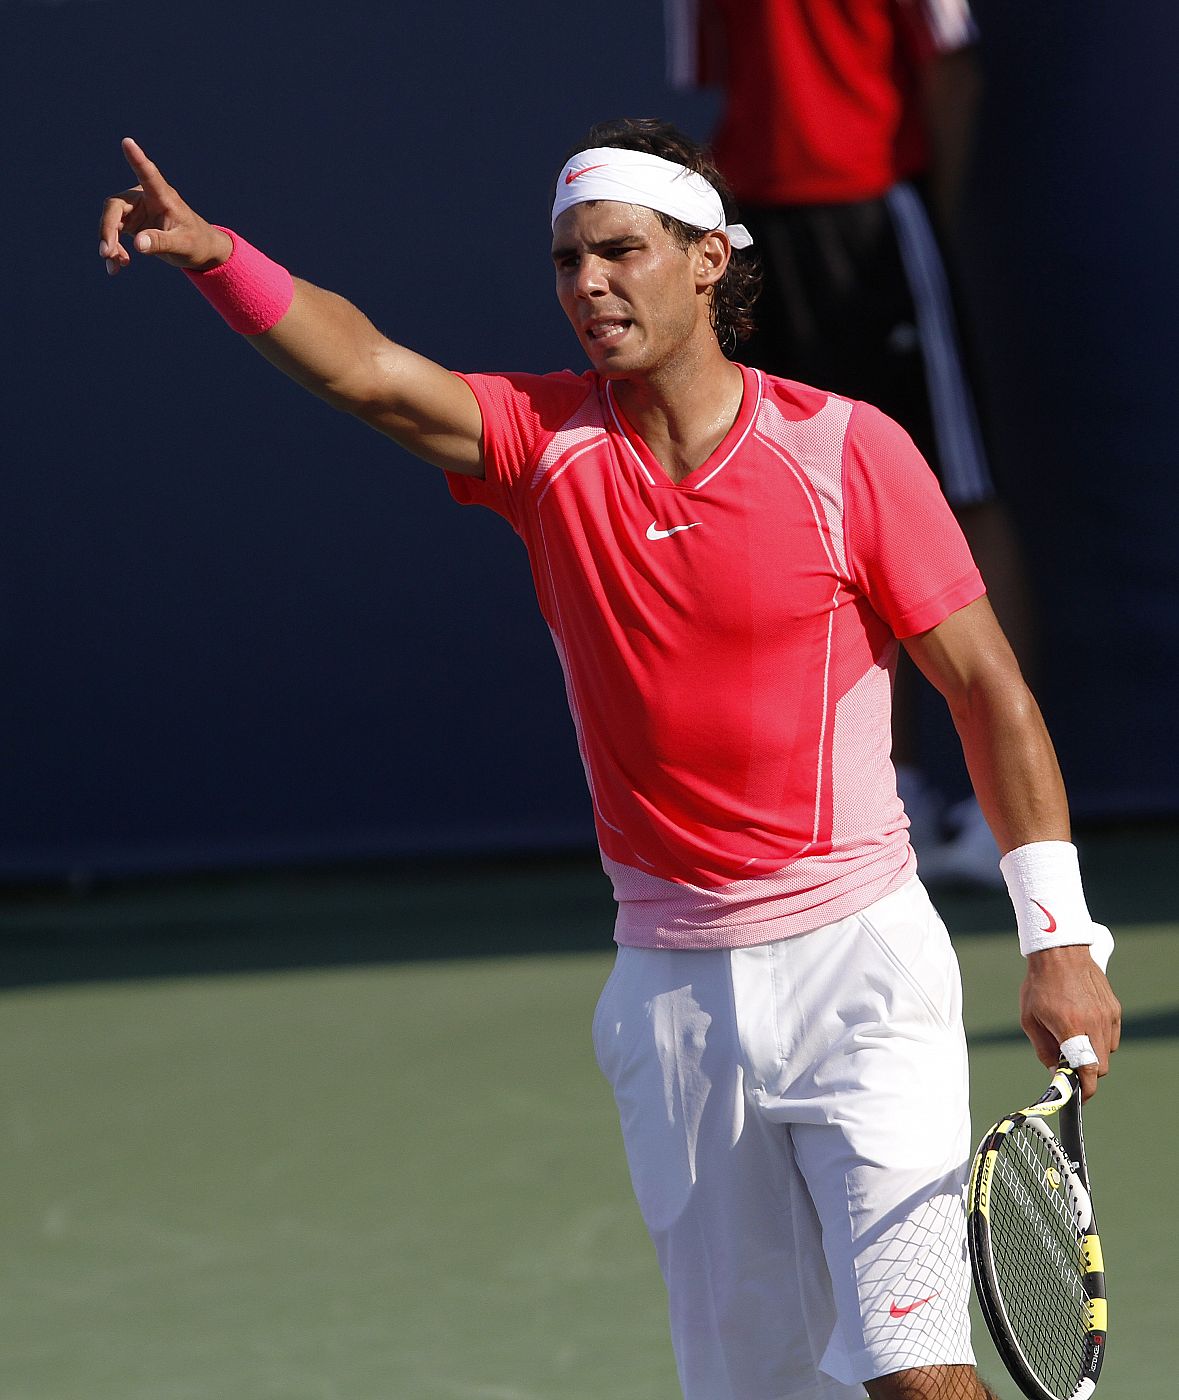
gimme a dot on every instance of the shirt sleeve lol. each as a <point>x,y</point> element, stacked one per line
<point>519,411</point>
<point>906,551</point>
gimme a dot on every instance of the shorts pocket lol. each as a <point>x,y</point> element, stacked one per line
<point>918,947</point>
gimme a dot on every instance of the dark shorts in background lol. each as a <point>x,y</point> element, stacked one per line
<point>857,299</point>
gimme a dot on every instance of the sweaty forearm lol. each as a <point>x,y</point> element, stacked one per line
<point>321,340</point>
<point>332,349</point>
<point>1009,755</point>
<point>329,347</point>
<point>1012,763</point>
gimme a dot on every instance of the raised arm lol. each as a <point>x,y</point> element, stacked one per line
<point>1017,780</point>
<point>322,341</point>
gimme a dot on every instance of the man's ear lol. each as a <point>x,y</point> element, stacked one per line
<point>712,253</point>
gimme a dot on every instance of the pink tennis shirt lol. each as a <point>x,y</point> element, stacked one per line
<point>728,642</point>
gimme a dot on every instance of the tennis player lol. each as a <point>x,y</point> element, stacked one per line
<point>726,562</point>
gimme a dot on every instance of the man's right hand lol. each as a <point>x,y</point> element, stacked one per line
<point>323,342</point>
<point>158,222</point>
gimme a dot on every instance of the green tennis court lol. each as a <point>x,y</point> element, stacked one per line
<point>341,1135</point>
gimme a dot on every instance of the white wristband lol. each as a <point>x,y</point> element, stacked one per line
<point>1044,882</point>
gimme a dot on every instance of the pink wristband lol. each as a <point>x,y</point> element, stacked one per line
<point>251,292</point>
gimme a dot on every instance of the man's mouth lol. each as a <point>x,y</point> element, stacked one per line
<point>603,331</point>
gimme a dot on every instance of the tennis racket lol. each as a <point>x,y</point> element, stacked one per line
<point>1034,1250</point>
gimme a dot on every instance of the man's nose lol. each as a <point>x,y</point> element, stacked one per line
<point>591,278</point>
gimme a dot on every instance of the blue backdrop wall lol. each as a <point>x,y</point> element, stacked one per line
<point>240,628</point>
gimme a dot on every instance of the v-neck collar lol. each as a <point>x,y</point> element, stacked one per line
<point>653,470</point>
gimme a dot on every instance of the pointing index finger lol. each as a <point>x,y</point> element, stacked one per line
<point>146,170</point>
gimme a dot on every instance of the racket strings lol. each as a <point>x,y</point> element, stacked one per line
<point>1037,1250</point>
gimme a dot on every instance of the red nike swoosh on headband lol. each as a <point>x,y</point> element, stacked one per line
<point>585,170</point>
<point>1050,926</point>
<point>895,1311</point>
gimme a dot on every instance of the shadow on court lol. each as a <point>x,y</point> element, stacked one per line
<point>444,909</point>
<point>305,918</point>
<point>1153,1025</point>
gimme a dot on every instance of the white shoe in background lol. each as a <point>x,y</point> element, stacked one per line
<point>968,856</point>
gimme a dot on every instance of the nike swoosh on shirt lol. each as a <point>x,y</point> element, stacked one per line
<point>585,170</point>
<point>895,1311</point>
<point>655,533</point>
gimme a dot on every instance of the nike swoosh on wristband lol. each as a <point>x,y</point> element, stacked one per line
<point>895,1311</point>
<point>585,169</point>
<point>655,533</point>
<point>1050,926</point>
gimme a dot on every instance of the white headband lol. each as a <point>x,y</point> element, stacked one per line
<point>633,177</point>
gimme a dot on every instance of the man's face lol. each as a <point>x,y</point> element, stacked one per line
<point>630,291</point>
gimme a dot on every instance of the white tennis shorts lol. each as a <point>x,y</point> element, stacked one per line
<point>796,1122</point>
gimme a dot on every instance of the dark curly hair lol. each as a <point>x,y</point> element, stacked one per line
<point>731,307</point>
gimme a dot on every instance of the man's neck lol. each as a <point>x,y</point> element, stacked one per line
<point>684,413</point>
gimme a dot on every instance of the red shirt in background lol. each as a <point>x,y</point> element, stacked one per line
<point>822,97</point>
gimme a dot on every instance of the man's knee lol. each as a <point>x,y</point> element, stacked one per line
<point>931,1383</point>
